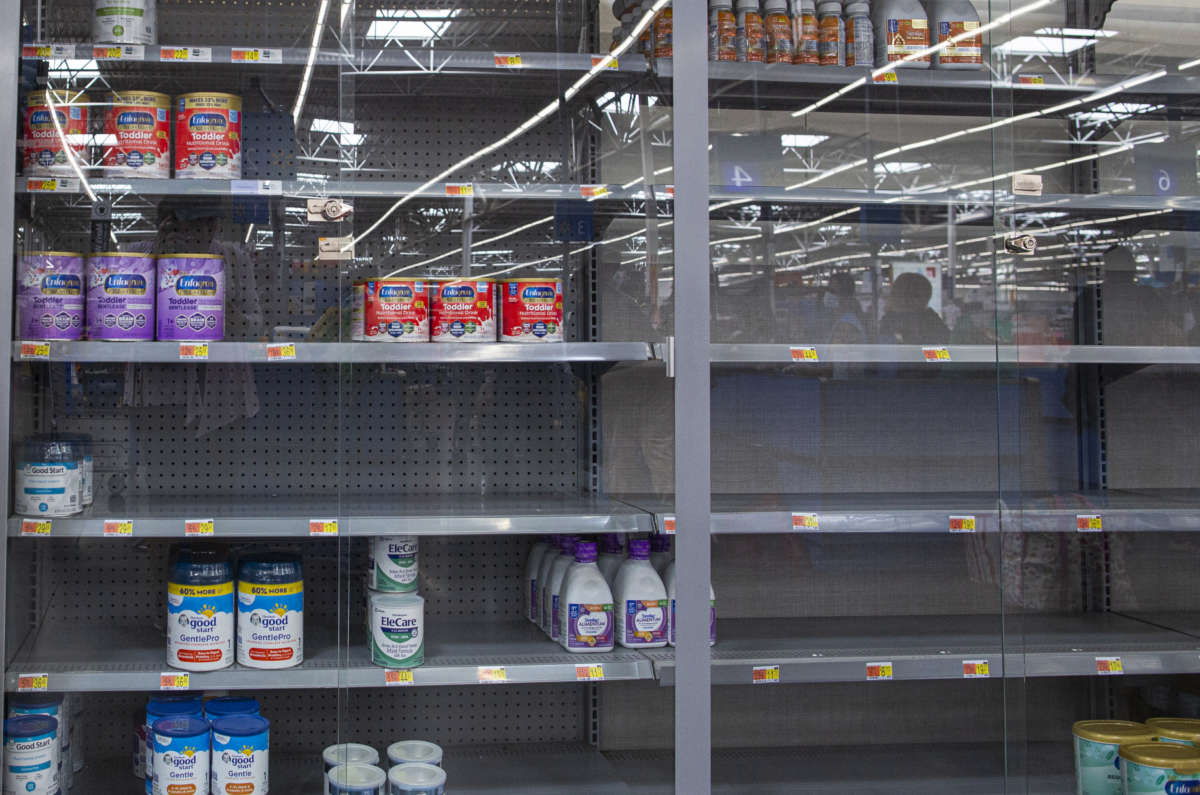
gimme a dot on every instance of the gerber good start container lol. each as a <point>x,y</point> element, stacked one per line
<point>200,609</point>
<point>240,755</point>
<point>270,624</point>
<point>48,477</point>
<point>31,755</point>
<point>181,756</point>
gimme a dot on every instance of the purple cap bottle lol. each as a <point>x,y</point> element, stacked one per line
<point>611,543</point>
<point>639,549</point>
<point>585,552</point>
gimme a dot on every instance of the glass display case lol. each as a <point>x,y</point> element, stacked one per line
<point>755,397</point>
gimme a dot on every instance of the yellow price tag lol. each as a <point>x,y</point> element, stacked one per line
<point>1031,80</point>
<point>35,350</point>
<point>41,185</point>
<point>878,671</point>
<point>886,77</point>
<point>805,355</point>
<point>669,525</point>
<point>35,527</point>
<point>976,669</point>
<point>486,674</point>
<point>322,527</point>
<point>1089,523</point>
<point>193,351</point>
<point>507,60</point>
<point>173,680</point>
<point>32,683</point>
<point>37,51</point>
<point>118,527</point>
<point>394,678</point>
<point>806,521</point>
<point>962,524</point>
<point>281,353</point>
<point>765,675</point>
<point>106,52</point>
<point>460,189</point>
<point>589,673</point>
<point>1109,666</point>
<point>173,53</point>
<point>198,527</point>
<point>593,191</point>
<point>599,59</point>
<point>938,354</point>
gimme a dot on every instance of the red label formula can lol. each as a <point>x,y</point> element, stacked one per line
<point>464,311</point>
<point>45,154</point>
<point>531,310</point>
<point>137,135</point>
<point>393,310</point>
<point>208,136</point>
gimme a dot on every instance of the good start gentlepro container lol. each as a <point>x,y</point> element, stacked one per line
<point>356,779</point>
<point>44,152</point>
<point>1185,731</point>
<point>53,705</point>
<point>124,21</point>
<point>405,751</point>
<point>393,564</point>
<point>191,297</point>
<point>120,296</point>
<point>230,705</point>
<point>200,609</point>
<point>397,629</point>
<point>157,708</point>
<point>240,755</point>
<point>48,475</point>
<point>349,754</point>
<point>1159,769</point>
<point>463,311</point>
<point>137,128</point>
<point>270,621</point>
<point>531,310</point>
<point>415,778</point>
<point>181,756</point>
<point>208,136</point>
<point>391,310</point>
<point>1097,743</point>
<point>50,296</point>
<point>31,755</point>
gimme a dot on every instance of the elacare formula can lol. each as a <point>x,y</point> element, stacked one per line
<point>531,310</point>
<point>240,755</point>
<point>124,21</point>
<point>270,620</point>
<point>391,310</point>
<point>120,296</point>
<point>392,564</point>
<point>137,129</point>
<point>463,311</point>
<point>181,756</point>
<point>45,154</point>
<point>190,305</point>
<point>31,755</point>
<point>397,629</point>
<point>200,609</point>
<point>50,295</point>
<point>208,136</point>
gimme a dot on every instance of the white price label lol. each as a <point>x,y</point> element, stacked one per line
<point>589,673</point>
<point>804,354</point>
<point>47,50</point>
<point>33,683</point>
<point>669,525</point>
<point>188,54</point>
<point>256,187</point>
<point>806,522</point>
<point>765,675</point>
<point>197,527</point>
<point>52,185</point>
<point>35,350</point>
<point>322,527</point>
<point>962,524</point>
<point>1109,666</point>
<point>936,354</point>
<point>397,678</point>
<point>1089,523</point>
<point>976,669</point>
<point>460,189</point>
<point>486,674</point>
<point>879,671</point>
<point>193,351</point>
<point>507,60</point>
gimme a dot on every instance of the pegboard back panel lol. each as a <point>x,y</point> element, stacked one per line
<point>232,429</point>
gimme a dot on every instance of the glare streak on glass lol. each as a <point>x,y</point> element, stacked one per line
<point>83,180</point>
<point>314,47</point>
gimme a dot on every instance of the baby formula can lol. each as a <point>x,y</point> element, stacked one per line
<point>208,136</point>
<point>395,310</point>
<point>55,706</point>
<point>50,296</point>
<point>405,751</point>
<point>44,152</point>
<point>393,564</point>
<point>270,629</point>
<point>531,310</point>
<point>464,311</point>
<point>356,779</point>
<point>124,22</point>
<point>137,128</point>
<point>158,707</point>
<point>240,755</point>
<point>48,477</point>
<point>120,296</point>
<point>1159,769</point>
<point>415,778</point>
<point>230,705</point>
<point>200,609</point>
<point>181,756</point>
<point>349,754</point>
<point>31,755</point>
<point>1097,743</point>
<point>191,297</point>
<point>397,634</point>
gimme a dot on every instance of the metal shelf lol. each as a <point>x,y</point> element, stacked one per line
<point>931,355</point>
<point>936,647</point>
<point>354,352</point>
<point>1145,511</point>
<point>455,651</point>
<point>253,516</point>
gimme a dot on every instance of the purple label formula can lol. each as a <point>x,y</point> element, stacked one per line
<point>120,296</point>
<point>50,296</point>
<point>191,297</point>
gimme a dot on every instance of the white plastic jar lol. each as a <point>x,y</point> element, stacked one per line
<point>860,34</point>
<point>415,778</point>
<point>901,29</point>
<point>950,18</point>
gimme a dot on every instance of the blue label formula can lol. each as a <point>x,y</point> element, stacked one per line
<point>31,755</point>
<point>181,756</point>
<point>240,748</point>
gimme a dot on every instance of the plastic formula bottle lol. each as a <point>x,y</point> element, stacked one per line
<point>950,18</point>
<point>860,34</point>
<point>611,557</point>
<point>901,29</point>
<point>552,553</point>
<point>669,581</point>
<point>778,27</point>
<point>832,43</point>
<point>240,755</point>
<point>586,605</point>
<point>532,564</point>
<point>270,613</point>
<point>554,586</point>
<point>751,38</point>
<point>722,31</point>
<point>393,564</point>
<point>805,32</point>
<point>641,601</point>
<point>31,759</point>
<point>200,609</point>
<point>660,552</point>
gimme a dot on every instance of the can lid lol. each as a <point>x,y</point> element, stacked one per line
<point>230,705</point>
<point>29,725</point>
<point>417,774</point>
<point>52,254</point>
<point>1160,754</point>
<point>241,725</point>
<point>197,565</point>
<point>270,567</point>
<point>1176,728</point>
<point>35,700</point>
<point>404,751</point>
<point>172,709</point>
<point>1113,731</point>
<point>344,754</point>
<point>138,254</point>
<point>394,599</point>
<point>186,726</point>
<point>354,776</point>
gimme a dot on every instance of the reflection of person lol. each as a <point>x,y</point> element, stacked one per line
<point>909,319</point>
<point>848,324</point>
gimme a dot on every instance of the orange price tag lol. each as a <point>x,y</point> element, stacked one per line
<point>35,350</point>
<point>1089,523</point>
<point>322,527</point>
<point>805,355</point>
<point>1031,80</point>
<point>599,59</point>
<point>193,351</point>
<point>460,189</point>
<point>255,55</point>
<point>669,525</point>
<point>125,52</point>
<point>281,353</point>
<point>397,678</point>
<point>35,527</point>
<point>887,77</point>
<point>589,673</point>
<point>197,527</point>
<point>1109,666</point>
<point>976,669</point>
<point>487,674</point>
<point>879,671</point>
<point>806,521</point>
<point>118,528</point>
<point>32,683</point>
<point>174,680</point>
<point>962,524</point>
<point>593,191</point>
<point>191,54</point>
<point>765,675</point>
<point>938,354</point>
<point>507,60</point>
